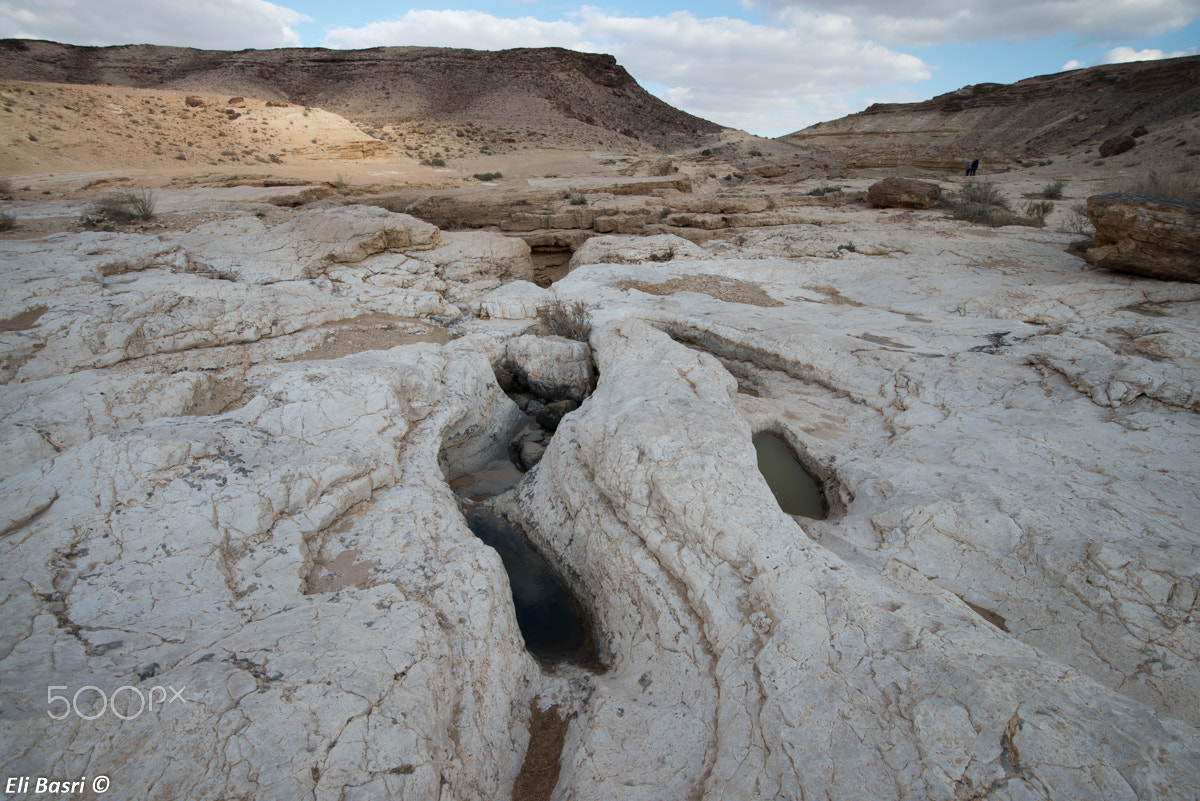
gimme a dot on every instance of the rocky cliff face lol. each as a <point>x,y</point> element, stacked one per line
<point>1035,117</point>
<point>543,88</point>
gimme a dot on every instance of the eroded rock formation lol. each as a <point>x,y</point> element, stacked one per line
<point>1146,235</point>
<point>228,466</point>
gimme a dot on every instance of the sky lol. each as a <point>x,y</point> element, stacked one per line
<point>769,67</point>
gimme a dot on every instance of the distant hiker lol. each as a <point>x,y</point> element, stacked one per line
<point>968,170</point>
<point>974,167</point>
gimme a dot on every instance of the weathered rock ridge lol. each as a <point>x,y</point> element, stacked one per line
<point>1011,122</point>
<point>543,88</point>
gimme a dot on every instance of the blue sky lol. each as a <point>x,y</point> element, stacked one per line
<point>766,66</point>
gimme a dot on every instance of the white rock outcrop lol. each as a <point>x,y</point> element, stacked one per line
<point>212,555</point>
<point>751,662</point>
<point>1002,602</point>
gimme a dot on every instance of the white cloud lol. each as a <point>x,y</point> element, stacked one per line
<point>1123,55</point>
<point>766,79</point>
<point>223,24</point>
<point>1074,64</point>
<point>913,23</point>
<point>473,29</point>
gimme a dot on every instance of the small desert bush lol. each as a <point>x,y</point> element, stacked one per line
<point>571,320</point>
<point>980,202</point>
<point>1054,191</point>
<point>7,221</point>
<point>578,200</point>
<point>821,191</point>
<point>1077,221</point>
<point>5,186</point>
<point>1167,186</point>
<point>487,176</point>
<point>1035,213</point>
<point>120,209</point>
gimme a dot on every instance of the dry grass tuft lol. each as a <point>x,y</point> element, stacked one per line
<point>571,320</point>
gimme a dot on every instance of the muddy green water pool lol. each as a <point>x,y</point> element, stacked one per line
<point>795,490</point>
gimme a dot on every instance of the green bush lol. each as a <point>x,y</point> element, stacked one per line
<point>1036,213</point>
<point>487,176</point>
<point>980,202</point>
<point>7,221</point>
<point>1054,191</point>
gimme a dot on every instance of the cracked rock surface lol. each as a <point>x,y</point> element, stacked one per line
<point>227,461</point>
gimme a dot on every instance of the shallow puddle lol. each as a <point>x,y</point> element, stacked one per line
<point>549,617</point>
<point>544,609</point>
<point>795,490</point>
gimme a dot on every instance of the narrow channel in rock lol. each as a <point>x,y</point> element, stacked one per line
<point>551,619</point>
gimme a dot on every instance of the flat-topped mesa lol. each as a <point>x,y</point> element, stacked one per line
<point>1009,122</point>
<point>547,89</point>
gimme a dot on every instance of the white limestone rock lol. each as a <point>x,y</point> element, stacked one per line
<point>305,246</point>
<point>196,553</point>
<point>41,418</point>
<point>552,367</point>
<point>516,300</point>
<point>750,662</point>
<point>635,250</point>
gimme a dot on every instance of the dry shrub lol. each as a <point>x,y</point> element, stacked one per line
<point>571,320</point>
<point>980,202</point>
<point>1166,186</point>
<point>1077,221</point>
<point>1054,191</point>
<point>120,209</point>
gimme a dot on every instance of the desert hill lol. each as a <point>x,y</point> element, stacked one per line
<point>1029,119</point>
<point>551,91</point>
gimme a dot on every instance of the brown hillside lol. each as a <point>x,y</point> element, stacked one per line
<point>548,90</point>
<point>1050,114</point>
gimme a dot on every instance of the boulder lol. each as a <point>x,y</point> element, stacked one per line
<point>552,413</point>
<point>516,300</point>
<point>1145,235</point>
<point>1116,146</point>
<point>903,193</point>
<point>639,250</point>
<point>554,368</point>
<point>194,102</point>
<point>531,453</point>
<point>307,245</point>
<point>236,102</point>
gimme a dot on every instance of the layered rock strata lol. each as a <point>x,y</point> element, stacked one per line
<point>1145,235</point>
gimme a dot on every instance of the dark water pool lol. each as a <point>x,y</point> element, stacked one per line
<point>545,611</point>
<point>795,490</point>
